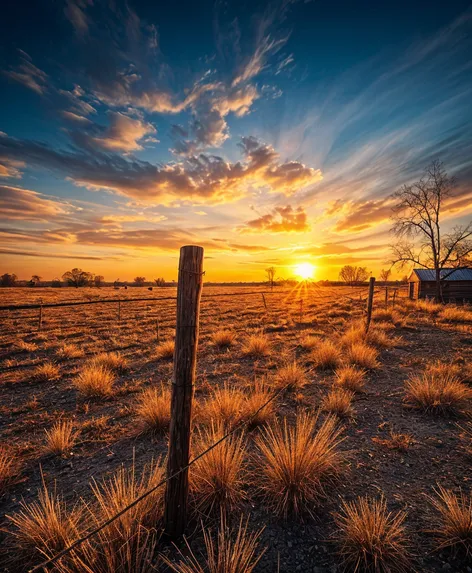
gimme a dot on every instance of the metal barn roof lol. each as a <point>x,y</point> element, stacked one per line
<point>456,275</point>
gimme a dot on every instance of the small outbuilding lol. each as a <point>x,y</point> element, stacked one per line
<point>456,284</point>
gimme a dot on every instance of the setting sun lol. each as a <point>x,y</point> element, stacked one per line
<point>305,270</point>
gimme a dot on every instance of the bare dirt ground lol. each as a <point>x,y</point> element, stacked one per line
<point>108,426</point>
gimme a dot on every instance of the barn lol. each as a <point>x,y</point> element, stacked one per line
<point>456,285</point>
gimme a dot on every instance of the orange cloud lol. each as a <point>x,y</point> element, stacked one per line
<point>23,204</point>
<point>279,220</point>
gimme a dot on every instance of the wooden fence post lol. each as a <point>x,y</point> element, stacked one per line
<point>370,300</point>
<point>263,298</point>
<point>394,295</point>
<point>189,290</point>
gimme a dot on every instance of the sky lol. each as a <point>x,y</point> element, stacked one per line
<point>270,133</point>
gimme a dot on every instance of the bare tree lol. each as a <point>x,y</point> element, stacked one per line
<point>385,275</point>
<point>271,272</point>
<point>98,280</point>
<point>160,282</point>
<point>139,281</point>
<point>353,275</point>
<point>417,225</point>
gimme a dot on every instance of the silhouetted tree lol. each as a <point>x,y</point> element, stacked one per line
<point>36,280</point>
<point>98,280</point>
<point>417,224</point>
<point>139,281</point>
<point>385,275</point>
<point>56,282</point>
<point>160,282</point>
<point>8,280</point>
<point>271,272</point>
<point>77,278</point>
<point>352,275</point>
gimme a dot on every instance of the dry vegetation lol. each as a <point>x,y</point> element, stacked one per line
<point>333,415</point>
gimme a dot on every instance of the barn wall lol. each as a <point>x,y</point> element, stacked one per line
<point>458,290</point>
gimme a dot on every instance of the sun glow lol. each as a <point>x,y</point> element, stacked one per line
<point>305,270</point>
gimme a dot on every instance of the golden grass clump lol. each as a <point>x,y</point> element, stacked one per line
<point>362,355</point>
<point>309,342</point>
<point>234,552</point>
<point>350,378</point>
<point>23,346</point>
<point>338,402</point>
<point>165,350</point>
<point>217,478</point>
<point>291,377</point>
<point>223,338</point>
<point>95,380</point>
<point>111,360</point>
<point>437,390</point>
<point>371,538</point>
<point>7,469</point>
<point>429,306</point>
<point>61,438</point>
<point>68,350</point>
<point>224,405</point>
<point>254,400</point>
<point>297,462</point>
<point>46,372</point>
<point>454,529</point>
<point>326,355</point>
<point>455,314</point>
<point>153,409</point>
<point>378,337</point>
<point>46,526</point>
<point>256,345</point>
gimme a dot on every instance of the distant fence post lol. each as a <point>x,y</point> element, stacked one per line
<point>263,298</point>
<point>189,290</point>
<point>370,300</point>
<point>394,295</point>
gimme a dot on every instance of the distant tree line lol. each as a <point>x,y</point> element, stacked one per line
<point>76,278</point>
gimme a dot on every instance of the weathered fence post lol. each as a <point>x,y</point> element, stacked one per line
<point>263,298</point>
<point>185,357</point>
<point>394,295</point>
<point>370,300</point>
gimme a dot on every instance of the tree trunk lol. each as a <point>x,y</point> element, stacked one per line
<point>438,286</point>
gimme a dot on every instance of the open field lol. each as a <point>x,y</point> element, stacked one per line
<point>89,394</point>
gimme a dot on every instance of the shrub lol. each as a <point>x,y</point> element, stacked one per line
<point>371,538</point>
<point>291,377</point>
<point>60,438</point>
<point>326,355</point>
<point>256,346</point>
<point>223,338</point>
<point>437,390</point>
<point>454,529</point>
<point>351,378</point>
<point>362,355</point>
<point>232,554</point>
<point>165,350</point>
<point>216,479</point>
<point>95,380</point>
<point>338,402</point>
<point>153,409</point>
<point>46,372</point>
<point>296,462</point>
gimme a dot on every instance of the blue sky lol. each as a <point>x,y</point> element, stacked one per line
<point>268,132</point>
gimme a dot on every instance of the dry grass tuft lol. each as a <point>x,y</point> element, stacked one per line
<point>296,463</point>
<point>466,438</point>
<point>95,380</point>
<point>111,360</point>
<point>61,438</point>
<point>223,338</point>
<point>46,526</point>
<point>257,345</point>
<point>455,314</point>
<point>396,441</point>
<point>429,306</point>
<point>7,469</point>
<point>437,390</point>
<point>217,478</point>
<point>70,351</point>
<point>351,378</point>
<point>455,526</point>
<point>379,338</point>
<point>371,538</point>
<point>309,342</point>
<point>23,346</point>
<point>338,402</point>
<point>225,405</point>
<point>165,350</point>
<point>291,377</point>
<point>234,552</point>
<point>153,409</point>
<point>255,399</point>
<point>363,356</point>
<point>46,372</point>
<point>326,355</point>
